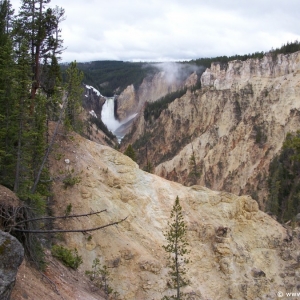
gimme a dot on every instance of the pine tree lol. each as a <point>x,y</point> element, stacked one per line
<point>130,152</point>
<point>284,180</point>
<point>101,277</point>
<point>29,46</point>
<point>194,172</point>
<point>39,26</point>
<point>177,250</point>
<point>74,92</point>
<point>8,110</point>
<point>24,139</point>
<point>149,167</point>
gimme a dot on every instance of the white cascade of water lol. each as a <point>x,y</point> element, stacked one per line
<point>118,128</point>
<point>108,116</point>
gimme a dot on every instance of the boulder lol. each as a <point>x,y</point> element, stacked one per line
<point>11,257</point>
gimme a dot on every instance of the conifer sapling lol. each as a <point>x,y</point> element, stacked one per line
<point>177,250</point>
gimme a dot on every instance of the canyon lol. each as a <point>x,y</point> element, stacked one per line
<point>234,125</point>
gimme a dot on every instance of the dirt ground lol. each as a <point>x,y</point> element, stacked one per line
<point>61,283</point>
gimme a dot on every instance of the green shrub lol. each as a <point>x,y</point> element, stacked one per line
<point>101,278</point>
<point>69,258</point>
<point>68,209</point>
<point>70,181</point>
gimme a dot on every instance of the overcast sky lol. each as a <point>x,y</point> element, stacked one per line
<point>170,30</point>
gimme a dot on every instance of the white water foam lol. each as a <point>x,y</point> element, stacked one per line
<point>108,116</point>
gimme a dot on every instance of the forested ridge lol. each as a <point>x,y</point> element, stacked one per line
<point>111,77</point>
<point>287,48</point>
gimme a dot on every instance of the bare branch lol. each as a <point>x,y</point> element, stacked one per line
<point>61,217</point>
<point>71,230</point>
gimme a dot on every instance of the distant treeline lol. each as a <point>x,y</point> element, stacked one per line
<point>284,49</point>
<point>154,109</point>
<point>287,48</point>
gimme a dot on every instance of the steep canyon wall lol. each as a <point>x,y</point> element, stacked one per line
<point>235,124</point>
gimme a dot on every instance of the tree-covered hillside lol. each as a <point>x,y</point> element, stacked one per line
<point>111,77</point>
<point>31,95</point>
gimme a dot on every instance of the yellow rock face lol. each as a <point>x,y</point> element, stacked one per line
<point>237,251</point>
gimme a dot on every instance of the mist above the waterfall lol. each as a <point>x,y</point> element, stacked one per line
<point>177,72</point>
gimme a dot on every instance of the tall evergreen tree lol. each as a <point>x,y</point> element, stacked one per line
<point>74,92</point>
<point>39,26</point>
<point>177,250</point>
<point>194,171</point>
<point>7,95</point>
<point>29,48</point>
<point>24,140</point>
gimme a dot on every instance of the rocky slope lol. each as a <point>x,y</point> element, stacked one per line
<point>237,251</point>
<point>59,283</point>
<point>235,125</point>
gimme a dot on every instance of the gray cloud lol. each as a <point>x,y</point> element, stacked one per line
<point>156,30</point>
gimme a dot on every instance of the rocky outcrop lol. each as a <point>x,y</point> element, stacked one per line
<point>235,124</point>
<point>93,100</point>
<point>237,251</point>
<point>127,103</point>
<point>11,257</point>
<point>240,72</point>
<point>132,99</point>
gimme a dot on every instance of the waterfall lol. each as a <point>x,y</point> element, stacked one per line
<point>108,115</point>
<point>119,129</point>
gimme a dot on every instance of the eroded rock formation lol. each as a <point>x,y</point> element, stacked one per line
<point>237,251</point>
